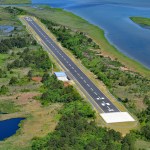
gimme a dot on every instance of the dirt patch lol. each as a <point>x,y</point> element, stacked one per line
<point>22,98</point>
<point>25,98</point>
<point>124,68</point>
<point>66,84</point>
<point>140,105</point>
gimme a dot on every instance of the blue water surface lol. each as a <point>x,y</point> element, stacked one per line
<point>9,127</point>
<point>6,28</point>
<point>113,17</point>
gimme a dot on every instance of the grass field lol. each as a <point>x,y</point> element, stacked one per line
<point>140,144</point>
<point>3,57</point>
<point>6,2</point>
<point>5,18</point>
<point>8,106</point>
<point>76,23</point>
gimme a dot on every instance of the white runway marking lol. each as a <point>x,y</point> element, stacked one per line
<point>95,93</point>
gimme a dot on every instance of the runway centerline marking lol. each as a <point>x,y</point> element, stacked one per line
<point>68,62</point>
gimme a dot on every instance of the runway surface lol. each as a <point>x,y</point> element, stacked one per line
<point>100,99</point>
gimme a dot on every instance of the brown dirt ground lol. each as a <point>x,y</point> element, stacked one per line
<point>66,84</point>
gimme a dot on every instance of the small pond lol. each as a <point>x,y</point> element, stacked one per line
<point>9,127</point>
<point>6,28</point>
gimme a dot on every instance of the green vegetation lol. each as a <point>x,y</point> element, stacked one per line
<point>144,118</point>
<point>7,44</point>
<point>4,89</point>
<point>3,57</point>
<point>83,108</point>
<point>36,59</point>
<point>6,2</point>
<point>141,21</point>
<point>56,92</point>
<point>2,73</point>
<point>15,11</point>
<point>8,106</point>
<point>141,143</point>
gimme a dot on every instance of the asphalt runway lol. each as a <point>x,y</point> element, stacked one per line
<point>100,99</point>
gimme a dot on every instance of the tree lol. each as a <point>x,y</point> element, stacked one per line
<point>89,40</point>
<point>146,131</point>
<point>3,89</point>
<point>30,74</point>
<point>45,77</point>
<point>147,100</point>
<point>13,81</point>
<point>129,140</point>
<point>34,42</point>
<point>2,73</point>
<point>125,146</point>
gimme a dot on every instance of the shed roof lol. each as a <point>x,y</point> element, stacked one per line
<point>60,74</point>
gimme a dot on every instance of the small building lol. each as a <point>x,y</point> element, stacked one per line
<point>61,76</point>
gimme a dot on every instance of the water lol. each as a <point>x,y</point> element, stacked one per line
<point>9,127</point>
<point>6,28</point>
<point>113,17</point>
